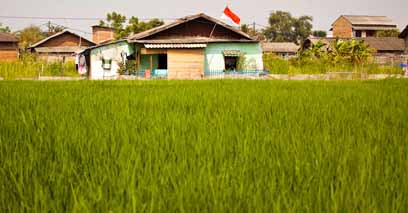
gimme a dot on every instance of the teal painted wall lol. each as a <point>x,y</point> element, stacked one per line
<point>214,58</point>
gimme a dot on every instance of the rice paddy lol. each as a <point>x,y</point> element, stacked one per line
<point>204,146</point>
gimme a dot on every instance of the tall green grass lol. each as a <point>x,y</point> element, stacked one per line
<point>277,65</point>
<point>33,69</point>
<point>210,146</point>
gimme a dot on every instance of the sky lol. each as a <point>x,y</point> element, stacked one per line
<point>324,12</point>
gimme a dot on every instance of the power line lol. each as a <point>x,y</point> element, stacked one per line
<point>72,18</point>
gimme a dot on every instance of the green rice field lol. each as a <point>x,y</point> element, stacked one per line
<point>204,146</point>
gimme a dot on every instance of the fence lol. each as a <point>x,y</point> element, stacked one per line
<point>141,74</point>
<point>247,74</point>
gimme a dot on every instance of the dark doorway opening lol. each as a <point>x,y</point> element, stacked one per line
<point>231,63</point>
<point>162,62</point>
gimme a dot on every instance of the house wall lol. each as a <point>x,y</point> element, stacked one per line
<point>8,51</point>
<point>111,51</point>
<point>53,57</point>
<point>185,63</point>
<point>214,57</point>
<point>342,28</point>
<point>406,44</point>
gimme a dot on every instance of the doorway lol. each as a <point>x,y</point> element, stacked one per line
<point>162,65</point>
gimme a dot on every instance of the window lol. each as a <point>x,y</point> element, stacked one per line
<point>231,63</point>
<point>231,59</point>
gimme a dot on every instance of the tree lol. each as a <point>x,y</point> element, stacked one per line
<point>252,32</point>
<point>284,27</point>
<point>388,33</point>
<point>53,29</point>
<point>118,22</point>
<point>29,36</point>
<point>319,33</point>
<point>4,29</point>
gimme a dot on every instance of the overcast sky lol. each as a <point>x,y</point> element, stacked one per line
<point>324,12</point>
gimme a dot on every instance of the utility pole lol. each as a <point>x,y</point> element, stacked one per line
<point>253,26</point>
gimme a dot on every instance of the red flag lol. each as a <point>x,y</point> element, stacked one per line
<point>228,14</point>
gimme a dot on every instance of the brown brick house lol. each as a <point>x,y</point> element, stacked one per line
<point>8,47</point>
<point>349,26</point>
<point>60,46</point>
<point>404,35</point>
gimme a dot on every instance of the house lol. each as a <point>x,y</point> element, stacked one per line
<point>283,49</point>
<point>404,35</point>
<point>102,34</point>
<point>61,46</point>
<point>8,47</point>
<point>348,26</point>
<point>184,49</point>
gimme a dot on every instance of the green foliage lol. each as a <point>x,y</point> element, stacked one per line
<point>210,146</point>
<point>29,36</point>
<point>4,29</point>
<point>319,33</point>
<point>284,27</point>
<point>388,33</point>
<point>130,68</point>
<point>30,67</point>
<point>241,63</point>
<point>339,56</point>
<point>252,32</point>
<point>122,30</point>
<point>53,29</point>
<point>275,64</point>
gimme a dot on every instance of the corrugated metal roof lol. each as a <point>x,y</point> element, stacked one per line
<point>373,27</point>
<point>191,40</point>
<point>280,47</point>
<point>369,20</point>
<point>6,37</point>
<point>233,53</point>
<point>66,49</point>
<point>174,46</point>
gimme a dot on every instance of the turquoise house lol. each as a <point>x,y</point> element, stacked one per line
<point>188,48</point>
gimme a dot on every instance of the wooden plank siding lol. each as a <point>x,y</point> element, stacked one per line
<point>66,40</point>
<point>8,55</point>
<point>185,63</point>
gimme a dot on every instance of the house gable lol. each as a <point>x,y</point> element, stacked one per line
<point>342,28</point>
<point>193,27</point>
<point>63,39</point>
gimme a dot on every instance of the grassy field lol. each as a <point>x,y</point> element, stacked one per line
<point>207,146</point>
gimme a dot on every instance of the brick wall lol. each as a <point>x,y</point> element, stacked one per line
<point>342,28</point>
<point>101,34</point>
